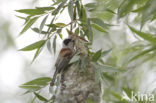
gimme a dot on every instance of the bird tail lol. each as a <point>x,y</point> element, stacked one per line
<point>54,78</point>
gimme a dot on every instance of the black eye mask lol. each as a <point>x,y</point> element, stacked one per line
<point>66,41</point>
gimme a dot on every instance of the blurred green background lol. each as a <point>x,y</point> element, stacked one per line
<point>139,76</point>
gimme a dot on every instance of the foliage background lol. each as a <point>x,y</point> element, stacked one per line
<point>139,74</point>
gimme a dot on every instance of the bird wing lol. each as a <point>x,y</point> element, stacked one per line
<point>63,59</point>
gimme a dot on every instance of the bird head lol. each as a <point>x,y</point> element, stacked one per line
<point>68,43</point>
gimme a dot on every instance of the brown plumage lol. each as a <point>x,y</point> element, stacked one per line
<point>63,59</point>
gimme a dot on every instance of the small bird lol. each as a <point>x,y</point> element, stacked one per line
<point>65,55</point>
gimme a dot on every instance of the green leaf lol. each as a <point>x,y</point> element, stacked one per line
<point>125,7</point>
<point>78,7</point>
<point>97,55</point>
<point>117,96</point>
<point>148,12</point>
<point>20,17</point>
<point>54,44</point>
<point>143,35</point>
<point>70,9</point>
<point>31,88</point>
<point>33,46</point>
<point>105,52</point>
<point>107,68</point>
<point>38,31</point>
<point>91,6</point>
<point>57,2</point>
<point>49,45</point>
<point>42,24</point>
<point>77,31</point>
<point>36,54</point>
<point>31,12</point>
<point>59,7</point>
<point>29,24</point>
<point>49,8</point>
<point>141,54</point>
<point>37,11</point>
<point>108,77</point>
<point>36,84</point>
<point>99,28</point>
<point>111,11</point>
<point>138,9</point>
<point>40,97</point>
<point>83,15</point>
<point>99,22</point>
<point>89,30</point>
<point>60,25</point>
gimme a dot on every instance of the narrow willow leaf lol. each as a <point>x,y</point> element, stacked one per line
<point>100,22</point>
<point>78,7</point>
<point>117,96</point>
<point>60,25</point>
<point>61,36</point>
<point>42,24</point>
<point>38,51</point>
<point>59,7</point>
<point>54,44</point>
<point>143,35</point>
<point>33,46</point>
<point>148,12</point>
<point>20,17</point>
<point>31,12</point>
<point>126,7</point>
<point>45,8</point>
<point>89,30</point>
<point>28,24</point>
<point>36,84</point>
<point>70,9</point>
<point>111,11</point>
<point>40,97</point>
<point>38,31</point>
<point>57,2</point>
<point>104,53</point>
<point>36,54</point>
<point>49,45</point>
<point>59,31</point>
<point>143,53</point>
<point>37,11</point>
<point>74,14</point>
<point>108,77</point>
<point>138,10</point>
<point>27,19</point>
<point>39,81</point>
<point>99,28</point>
<point>31,88</point>
<point>77,31</point>
<point>91,6</point>
<point>107,68</point>
<point>83,15</point>
<point>97,55</point>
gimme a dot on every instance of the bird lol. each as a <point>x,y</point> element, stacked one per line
<point>64,57</point>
